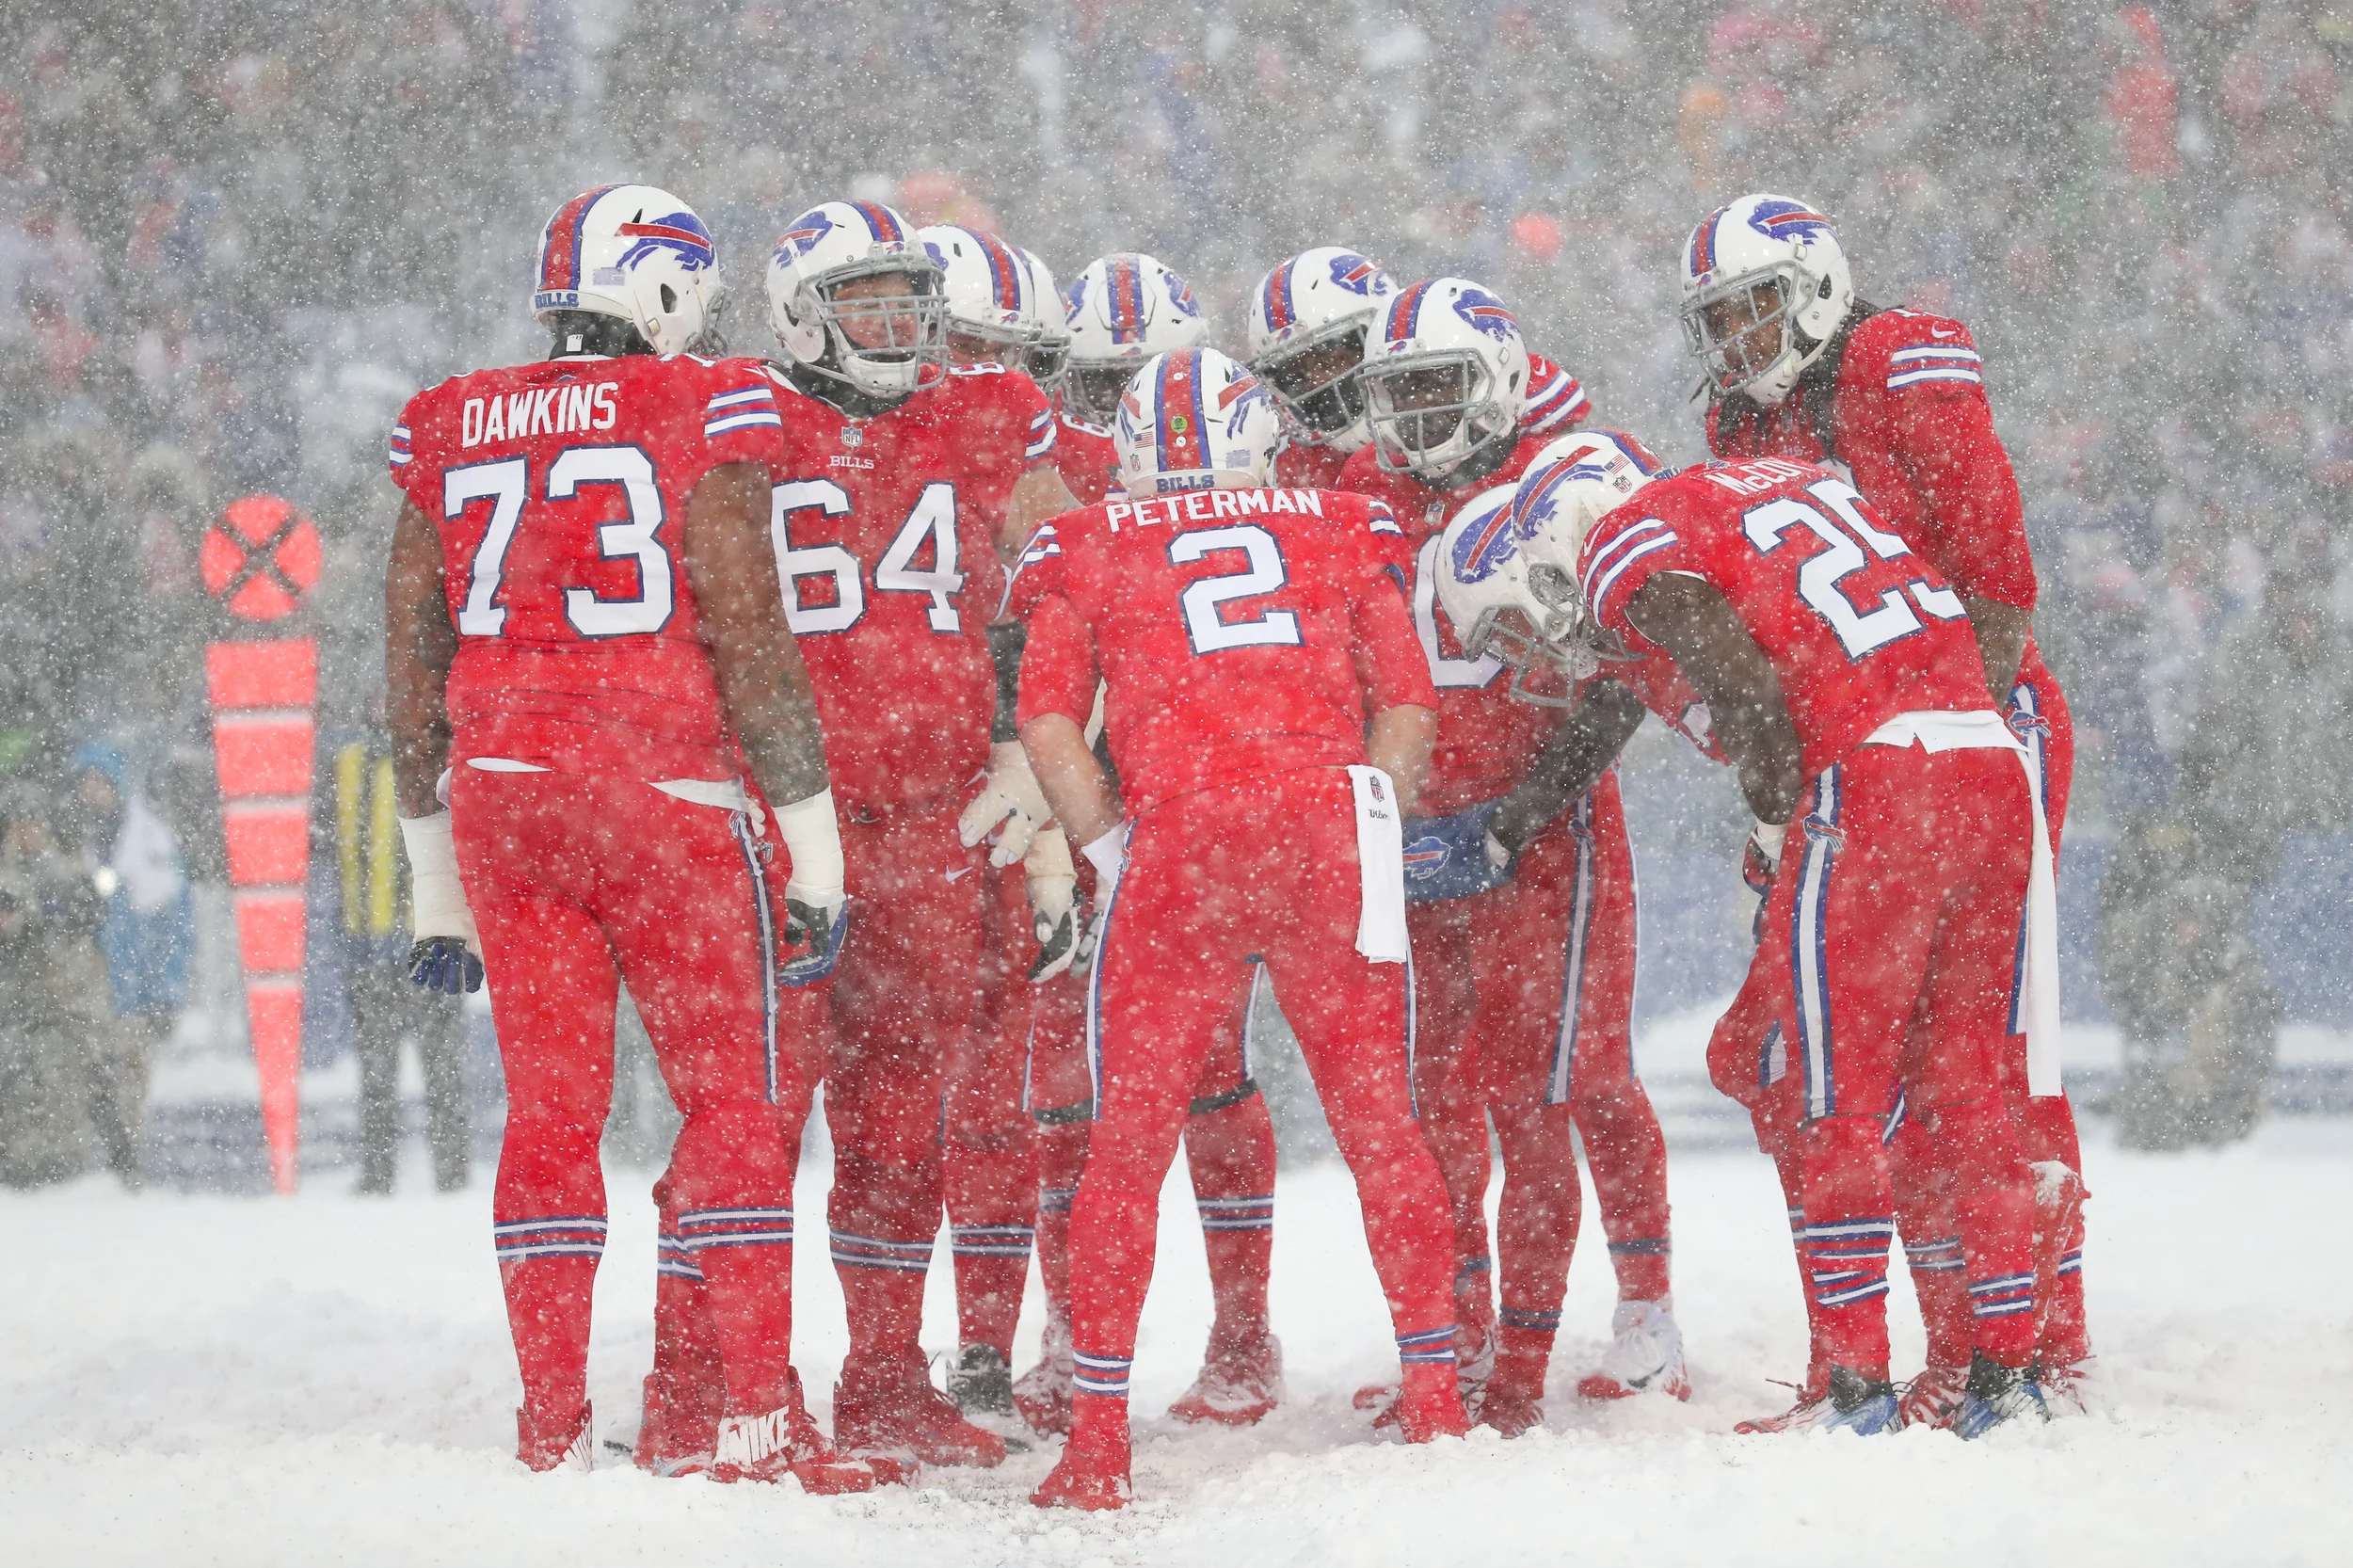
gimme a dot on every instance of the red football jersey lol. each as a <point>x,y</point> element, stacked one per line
<point>559,488</point>
<point>1239,632</point>
<point>1085,459</point>
<point>1911,424</point>
<point>1305,466</point>
<point>1858,628</point>
<point>886,536</point>
<point>1486,737</point>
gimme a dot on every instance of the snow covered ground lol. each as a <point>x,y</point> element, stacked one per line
<point>197,1380</point>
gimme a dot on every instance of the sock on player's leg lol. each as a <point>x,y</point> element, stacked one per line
<point>1995,1199</point>
<point>1849,1226</point>
<point>1628,1155</point>
<point>1230,1152</point>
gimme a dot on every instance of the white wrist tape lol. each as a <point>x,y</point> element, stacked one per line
<point>1107,852</point>
<point>437,899</point>
<point>1768,836</point>
<point>813,838</point>
<point>1049,856</point>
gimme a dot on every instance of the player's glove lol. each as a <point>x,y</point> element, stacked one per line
<point>1010,808</point>
<point>1760,862</point>
<point>447,956</point>
<point>1057,917</point>
<point>1449,857</point>
<point>816,907</point>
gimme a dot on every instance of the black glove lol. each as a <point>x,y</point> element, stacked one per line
<point>445,964</point>
<point>818,930</point>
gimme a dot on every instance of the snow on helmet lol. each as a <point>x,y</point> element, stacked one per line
<point>1481,578</point>
<point>988,288</point>
<point>1048,354</point>
<point>1194,420</point>
<point>633,251</point>
<point>1761,259</point>
<point>1321,300</point>
<point>1570,486</point>
<point>1445,376</point>
<point>838,243</point>
<point>1123,310</point>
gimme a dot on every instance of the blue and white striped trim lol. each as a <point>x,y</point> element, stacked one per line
<point>554,1235</point>
<point>1847,1259</point>
<point>705,1228</point>
<point>874,1252</point>
<point>1934,1258</point>
<point>1056,1200</point>
<point>1432,1347</point>
<point>398,452</point>
<point>742,408</point>
<point>672,1259</point>
<point>2032,727</point>
<point>1845,1288</point>
<point>1253,1213</point>
<point>1573,969</point>
<point>763,922</point>
<point>1471,1267</point>
<point>1105,1376</point>
<point>1907,366</point>
<point>991,1240</point>
<point>1809,945</point>
<point>1530,1321</point>
<point>1042,436</point>
<point>2005,1297</point>
<point>1559,401</point>
<point>2072,1263</point>
<point>1609,580</point>
<point>1645,1246</point>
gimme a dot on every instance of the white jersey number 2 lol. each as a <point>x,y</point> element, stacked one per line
<point>1205,598</point>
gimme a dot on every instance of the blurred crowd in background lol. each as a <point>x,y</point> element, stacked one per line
<point>235,234</point>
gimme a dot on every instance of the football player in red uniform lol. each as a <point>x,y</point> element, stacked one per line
<point>1124,309</point>
<point>896,481</point>
<point>1895,400</point>
<point>1248,638</point>
<point>1443,381</point>
<point>1309,320</point>
<point>580,629</point>
<point>1842,683</point>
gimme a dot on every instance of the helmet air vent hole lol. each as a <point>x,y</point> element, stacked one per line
<point>669,300</point>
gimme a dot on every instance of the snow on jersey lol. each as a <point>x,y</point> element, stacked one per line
<point>885,532</point>
<point>559,491</point>
<point>1238,632</point>
<point>1858,628</point>
<point>1085,458</point>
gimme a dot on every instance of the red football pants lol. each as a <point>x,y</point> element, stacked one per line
<point>1523,1003</point>
<point>578,884</point>
<point>1900,890</point>
<point>1213,879</point>
<point>902,1001</point>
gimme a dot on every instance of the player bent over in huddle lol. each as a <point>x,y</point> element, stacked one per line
<point>1844,684</point>
<point>580,626</point>
<point>1247,637</point>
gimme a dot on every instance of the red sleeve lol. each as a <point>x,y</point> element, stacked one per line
<point>1037,573</point>
<point>739,419</point>
<point>1058,673</point>
<point>1390,663</point>
<point>1939,427</point>
<point>1623,551</point>
<point>1555,401</point>
<point>1002,419</point>
<point>409,436</point>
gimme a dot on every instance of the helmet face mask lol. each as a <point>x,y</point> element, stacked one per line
<point>879,339</point>
<point>1745,328</point>
<point>1431,411</point>
<point>1092,389</point>
<point>1046,359</point>
<point>1314,379</point>
<point>1123,310</point>
<point>1766,285</point>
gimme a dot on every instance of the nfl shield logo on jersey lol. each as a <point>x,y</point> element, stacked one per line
<point>851,435</point>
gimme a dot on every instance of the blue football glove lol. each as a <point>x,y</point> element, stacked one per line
<point>1449,857</point>
<point>445,964</point>
<point>818,931</point>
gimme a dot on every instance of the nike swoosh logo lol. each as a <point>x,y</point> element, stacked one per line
<point>952,876</point>
<point>1939,333</point>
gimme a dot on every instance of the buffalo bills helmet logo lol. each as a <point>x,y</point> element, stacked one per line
<point>1357,275</point>
<point>681,231</point>
<point>1073,300</point>
<point>1480,550</point>
<point>1180,296</point>
<point>1790,220</point>
<point>1484,312</point>
<point>807,230</point>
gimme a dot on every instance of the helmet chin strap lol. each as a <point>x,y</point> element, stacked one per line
<point>837,392</point>
<point>593,332</point>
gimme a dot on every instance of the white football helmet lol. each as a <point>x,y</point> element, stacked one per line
<point>1570,486</point>
<point>633,251</point>
<point>1308,321</point>
<point>986,286</point>
<point>1763,259</point>
<point>884,347</point>
<point>1194,420</point>
<point>1048,354</point>
<point>1482,581</point>
<point>1445,375</point>
<point>1123,310</point>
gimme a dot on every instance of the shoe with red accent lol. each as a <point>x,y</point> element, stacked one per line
<point>1645,1356</point>
<point>1812,1409</point>
<point>1933,1398</point>
<point>1429,1404</point>
<point>894,1413</point>
<point>679,1426</point>
<point>787,1441</point>
<point>1042,1394</point>
<point>1238,1387</point>
<point>545,1444</point>
<point>1092,1474</point>
<point>1473,1363</point>
<point>2066,1389</point>
<point>1512,1401</point>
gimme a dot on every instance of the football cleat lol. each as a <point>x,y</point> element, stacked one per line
<point>980,1383</point>
<point>787,1442</point>
<point>1236,1387</point>
<point>1933,1398</point>
<point>1862,1405</point>
<point>1812,1409</point>
<point>1510,1405</point>
<point>558,1445</point>
<point>1645,1357</point>
<point>1998,1394</point>
<point>1042,1394</point>
<point>1430,1405</point>
<point>2066,1389</point>
<point>1096,1486</point>
<point>904,1418</point>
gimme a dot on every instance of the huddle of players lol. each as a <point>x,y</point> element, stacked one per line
<point>1326,624</point>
